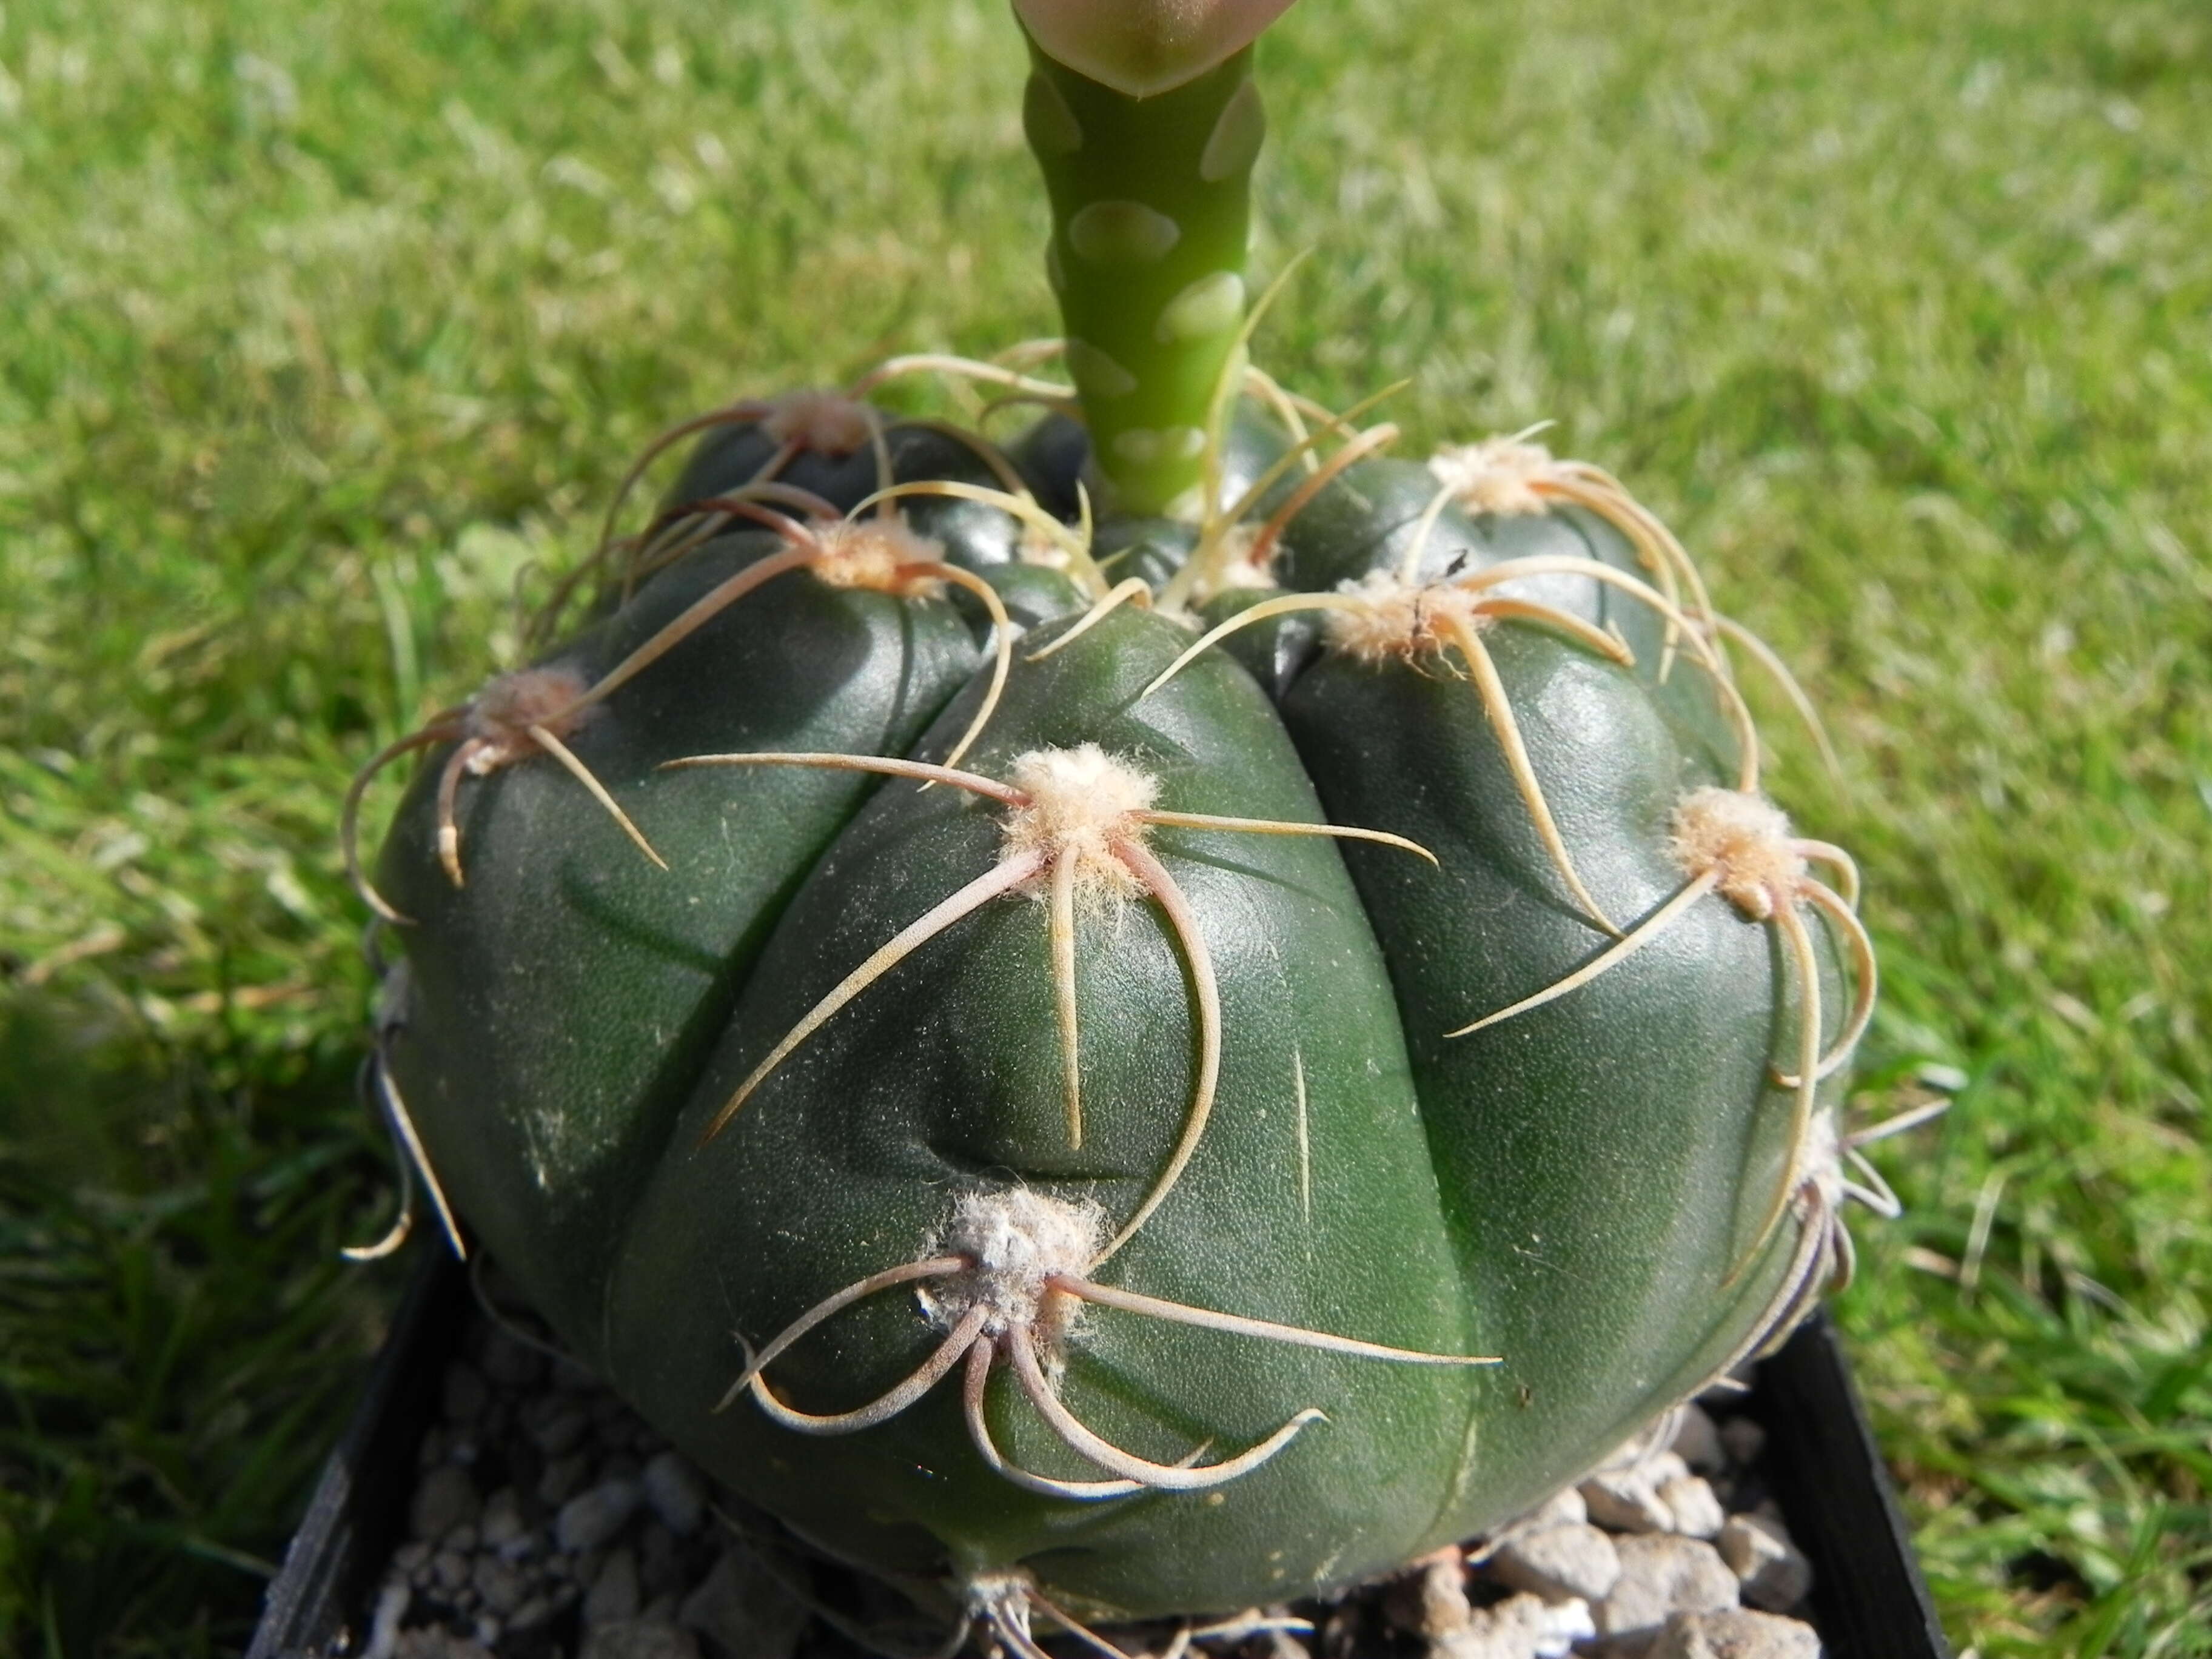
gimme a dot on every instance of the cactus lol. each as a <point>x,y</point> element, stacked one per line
<point>1163,1016</point>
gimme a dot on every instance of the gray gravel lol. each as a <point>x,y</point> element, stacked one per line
<point>547,1522</point>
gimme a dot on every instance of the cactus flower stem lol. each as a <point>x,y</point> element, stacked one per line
<point>1151,205</point>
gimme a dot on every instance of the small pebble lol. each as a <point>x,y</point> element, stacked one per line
<point>486,1631</point>
<point>499,1585</point>
<point>1627,1499</point>
<point>1524,1627</point>
<point>1575,1562</point>
<point>409,1557</point>
<point>451,1569</point>
<point>676,1494</point>
<point>659,1565</point>
<point>1429,1597</point>
<point>1773,1571</point>
<point>1737,1635</point>
<point>1564,1508</point>
<point>444,1498</point>
<point>563,1478</point>
<point>1662,1575</point>
<point>529,1546</point>
<point>1697,1511</point>
<point>555,1424</point>
<point>744,1611</point>
<point>593,1517</point>
<point>435,1642</point>
<point>530,1615</point>
<point>1743,1439</point>
<point>502,1523</point>
<point>467,1394</point>
<point>384,1624</point>
<point>1698,1442</point>
<point>639,1638</point>
<point>462,1538</point>
<point>613,1598</point>
<point>1660,1466</point>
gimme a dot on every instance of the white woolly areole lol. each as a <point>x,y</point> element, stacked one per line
<point>1081,800</point>
<point>1498,475</point>
<point>1239,574</point>
<point>870,552</point>
<point>1234,567</point>
<point>1396,618</point>
<point>824,423</point>
<point>1744,838</point>
<point>505,710</point>
<point>1820,1160</point>
<point>1017,1238</point>
<point>1035,547</point>
<point>1001,1598</point>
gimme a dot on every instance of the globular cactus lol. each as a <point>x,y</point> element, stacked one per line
<point>1160,1018</point>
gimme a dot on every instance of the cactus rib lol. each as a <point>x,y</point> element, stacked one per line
<point>1062,851</point>
<point>1385,615</point>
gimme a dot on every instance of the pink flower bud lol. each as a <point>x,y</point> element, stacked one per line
<point>1141,47</point>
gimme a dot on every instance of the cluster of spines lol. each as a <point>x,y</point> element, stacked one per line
<point>1059,839</point>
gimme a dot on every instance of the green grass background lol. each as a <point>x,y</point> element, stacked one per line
<point>318,323</point>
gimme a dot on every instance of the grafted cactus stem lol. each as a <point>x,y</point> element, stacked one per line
<point>1151,207</point>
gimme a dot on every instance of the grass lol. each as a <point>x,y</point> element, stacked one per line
<point>319,324</point>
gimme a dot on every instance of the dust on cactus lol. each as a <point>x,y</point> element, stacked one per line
<point>1161,1015</point>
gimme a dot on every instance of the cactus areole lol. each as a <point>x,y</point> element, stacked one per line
<point>1152,1016</point>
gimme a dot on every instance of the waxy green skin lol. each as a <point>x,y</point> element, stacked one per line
<point>948,1072</point>
<point>1569,1190</point>
<point>1151,202</point>
<point>1608,1157</point>
<point>560,1002</point>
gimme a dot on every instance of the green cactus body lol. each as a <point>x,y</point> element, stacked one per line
<point>1310,1199</point>
<point>1609,1157</point>
<point>704,1110</point>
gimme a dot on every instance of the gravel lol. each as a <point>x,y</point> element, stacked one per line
<point>1663,1574</point>
<point>1558,1563</point>
<point>1693,1502</point>
<point>1697,1441</point>
<point>547,1522</point>
<point>1738,1635</point>
<point>1773,1571</point>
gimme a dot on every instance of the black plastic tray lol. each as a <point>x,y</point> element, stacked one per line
<point>1869,1600</point>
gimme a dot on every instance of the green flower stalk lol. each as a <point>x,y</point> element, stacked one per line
<point>1151,206</point>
